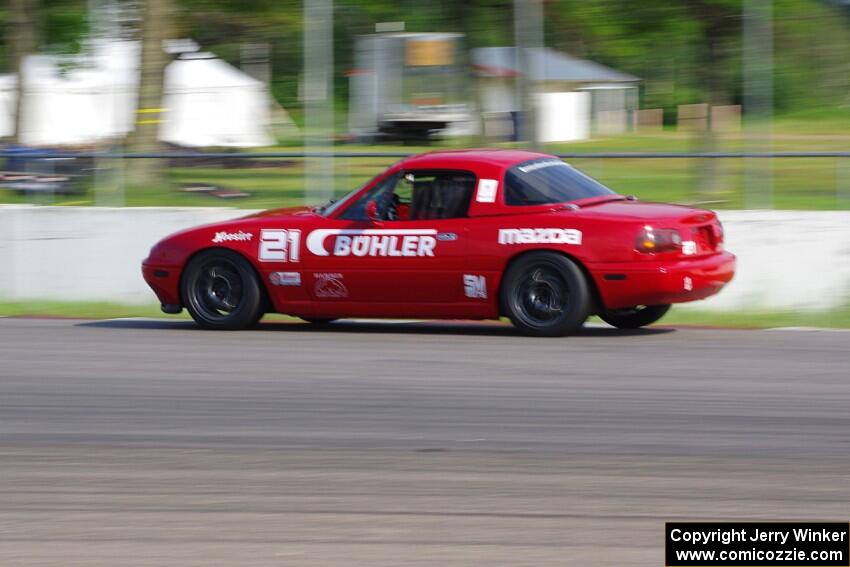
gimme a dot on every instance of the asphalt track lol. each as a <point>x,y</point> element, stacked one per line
<point>153,443</point>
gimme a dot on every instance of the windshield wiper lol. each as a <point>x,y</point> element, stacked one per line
<point>319,209</point>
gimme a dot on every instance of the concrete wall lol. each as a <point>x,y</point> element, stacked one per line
<point>796,260</point>
<point>787,259</point>
<point>86,253</point>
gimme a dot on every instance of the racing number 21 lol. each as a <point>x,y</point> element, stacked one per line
<point>279,245</point>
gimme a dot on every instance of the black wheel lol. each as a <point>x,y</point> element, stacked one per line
<point>545,295</point>
<point>318,321</point>
<point>635,317</point>
<point>221,291</point>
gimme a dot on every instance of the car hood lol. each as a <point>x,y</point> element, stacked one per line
<point>244,223</point>
<point>284,211</point>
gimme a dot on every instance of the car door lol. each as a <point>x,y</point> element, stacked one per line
<point>413,254</point>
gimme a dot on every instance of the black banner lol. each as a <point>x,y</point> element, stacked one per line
<point>761,544</point>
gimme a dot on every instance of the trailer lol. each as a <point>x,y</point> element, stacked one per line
<point>407,86</point>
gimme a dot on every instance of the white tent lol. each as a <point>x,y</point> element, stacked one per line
<point>211,103</point>
<point>8,97</point>
<point>79,100</point>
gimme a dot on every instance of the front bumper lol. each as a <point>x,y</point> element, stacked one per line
<point>623,285</point>
<point>164,280</point>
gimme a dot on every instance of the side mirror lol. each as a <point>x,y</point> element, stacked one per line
<point>372,211</point>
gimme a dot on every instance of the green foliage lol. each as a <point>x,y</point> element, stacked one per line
<point>64,23</point>
<point>685,51</point>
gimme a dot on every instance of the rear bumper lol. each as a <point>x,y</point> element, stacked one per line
<point>652,283</point>
<point>164,280</point>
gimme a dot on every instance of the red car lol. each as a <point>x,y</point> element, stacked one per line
<point>468,234</point>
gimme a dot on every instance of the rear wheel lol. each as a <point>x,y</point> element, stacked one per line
<point>546,295</point>
<point>634,317</point>
<point>221,291</point>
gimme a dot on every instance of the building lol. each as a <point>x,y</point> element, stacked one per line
<point>575,97</point>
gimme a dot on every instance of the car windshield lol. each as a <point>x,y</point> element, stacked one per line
<point>328,208</point>
<point>549,180</point>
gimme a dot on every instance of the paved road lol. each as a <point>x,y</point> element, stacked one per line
<point>152,443</point>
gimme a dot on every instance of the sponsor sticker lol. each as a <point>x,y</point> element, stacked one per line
<point>224,236</point>
<point>372,242</point>
<point>285,278</point>
<point>329,286</point>
<point>475,287</point>
<point>279,245</point>
<point>540,165</point>
<point>688,283</point>
<point>689,247</point>
<point>487,190</point>
<point>540,236</point>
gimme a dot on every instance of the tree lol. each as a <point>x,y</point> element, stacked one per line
<point>24,39</point>
<point>157,19</point>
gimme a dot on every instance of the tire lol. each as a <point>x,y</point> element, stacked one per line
<point>221,291</point>
<point>635,317</point>
<point>545,295</point>
<point>317,321</point>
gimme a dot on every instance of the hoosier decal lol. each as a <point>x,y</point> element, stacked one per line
<point>539,236</point>
<point>224,236</point>
<point>372,242</point>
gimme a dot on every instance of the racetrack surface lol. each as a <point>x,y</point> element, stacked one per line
<point>154,443</point>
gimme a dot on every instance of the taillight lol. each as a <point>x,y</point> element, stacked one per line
<point>650,240</point>
<point>718,231</point>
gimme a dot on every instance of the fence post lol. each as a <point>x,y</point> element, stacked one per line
<point>528,36</point>
<point>758,101</point>
<point>842,182</point>
<point>317,92</point>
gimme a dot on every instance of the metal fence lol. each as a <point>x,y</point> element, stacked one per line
<point>786,180</point>
<point>401,155</point>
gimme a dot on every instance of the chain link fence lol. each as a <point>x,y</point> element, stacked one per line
<point>785,180</point>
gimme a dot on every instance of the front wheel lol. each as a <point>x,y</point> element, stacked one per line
<point>545,295</point>
<point>221,291</point>
<point>634,317</point>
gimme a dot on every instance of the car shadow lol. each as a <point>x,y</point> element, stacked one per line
<point>140,323</point>
<point>377,326</point>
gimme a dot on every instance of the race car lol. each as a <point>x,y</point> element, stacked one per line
<point>462,234</point>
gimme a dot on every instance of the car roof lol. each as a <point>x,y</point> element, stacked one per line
<point>503,158</point>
